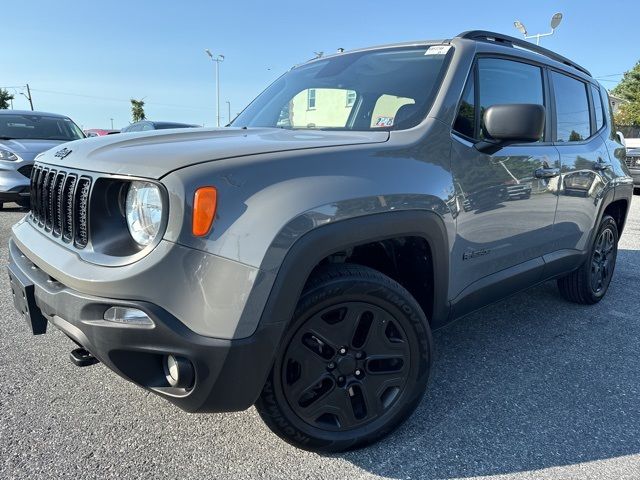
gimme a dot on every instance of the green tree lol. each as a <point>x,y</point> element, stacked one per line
<point>137,110</point>
<point>629,89</point>
<point>628,115</point>
<point>5,99</point>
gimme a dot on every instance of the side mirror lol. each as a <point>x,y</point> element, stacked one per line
<point>508,124</point>
<point>621,139</point>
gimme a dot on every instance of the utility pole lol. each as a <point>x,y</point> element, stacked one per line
<point>28,95</point>
<point>218,59</point>
<point>555,21</point>
<point>229,106</point>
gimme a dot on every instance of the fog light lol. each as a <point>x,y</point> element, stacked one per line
<point>179,371</point>
<point>130,316</point>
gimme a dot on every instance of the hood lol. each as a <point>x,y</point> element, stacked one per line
<point>27,149</point>
<point>156,153</point>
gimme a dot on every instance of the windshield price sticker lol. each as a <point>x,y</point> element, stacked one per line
<point>437,50</point>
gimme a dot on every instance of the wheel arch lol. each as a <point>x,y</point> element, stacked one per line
<point>317,244</point>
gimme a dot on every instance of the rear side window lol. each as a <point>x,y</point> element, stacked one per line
<point>597,106</point>
<point>499,82</point>
<point>572,109</point>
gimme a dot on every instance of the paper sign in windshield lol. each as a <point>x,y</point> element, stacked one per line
<point>382,122</point>
<point>437,50</point>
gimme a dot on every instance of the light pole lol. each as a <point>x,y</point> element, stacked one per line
<point>229,107</point>
<point>217,59</point>
<point>555,21</point>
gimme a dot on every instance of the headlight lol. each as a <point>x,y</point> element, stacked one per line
<point>144,211</point>
<point>8,155</point>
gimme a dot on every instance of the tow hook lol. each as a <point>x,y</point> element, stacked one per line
<point>81,357</point>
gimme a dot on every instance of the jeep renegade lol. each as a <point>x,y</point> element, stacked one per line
<point>299,259</point>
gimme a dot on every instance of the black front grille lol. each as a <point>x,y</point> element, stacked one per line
<point>60,204</point>
<point>26,170</point>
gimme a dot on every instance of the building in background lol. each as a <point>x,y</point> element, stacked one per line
<point>331,108</point>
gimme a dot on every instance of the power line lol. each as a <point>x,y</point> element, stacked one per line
<point>610,75</point>
<point>110,99</point>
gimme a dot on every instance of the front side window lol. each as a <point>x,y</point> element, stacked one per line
<point>573,122</point>
<point>394,89</point>
<point>38,127</point>
<point>507,82</point>
<point>500,82</point>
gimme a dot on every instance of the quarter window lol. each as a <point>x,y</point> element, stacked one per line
<point>465,121</point>
<point>572,109</point>
<point>597,106</point>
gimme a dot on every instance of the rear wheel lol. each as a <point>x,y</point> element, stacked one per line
<point>589,284</point>
<point>354,364</point>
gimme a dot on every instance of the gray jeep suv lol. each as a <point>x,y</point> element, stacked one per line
<point>300,259</point>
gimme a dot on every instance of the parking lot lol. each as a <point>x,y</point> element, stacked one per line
<point>531,387</point>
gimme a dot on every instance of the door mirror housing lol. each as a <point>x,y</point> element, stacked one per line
<point>514,123</point>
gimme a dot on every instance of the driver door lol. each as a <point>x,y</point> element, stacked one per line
<point>508,200</point>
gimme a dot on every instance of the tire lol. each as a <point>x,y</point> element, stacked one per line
<point>636,191</point>
<point>1,206</point>
<point>589,284</point>
<point>322,398</point>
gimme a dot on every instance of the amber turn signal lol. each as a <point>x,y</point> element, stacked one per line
<point>204,210</point>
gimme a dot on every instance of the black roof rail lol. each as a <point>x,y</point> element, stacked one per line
<point>516,42</point>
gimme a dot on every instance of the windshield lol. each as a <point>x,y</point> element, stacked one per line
<point>388,89</point>
<point>38,127</point>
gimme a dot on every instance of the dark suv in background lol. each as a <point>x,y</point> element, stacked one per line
<point>300,259</point>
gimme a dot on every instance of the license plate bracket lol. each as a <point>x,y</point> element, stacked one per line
<point>24,299</point>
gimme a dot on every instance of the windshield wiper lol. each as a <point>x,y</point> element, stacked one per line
<point>2,137</point>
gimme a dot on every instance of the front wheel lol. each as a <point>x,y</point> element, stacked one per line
<point>589,284</point>
<point>354,364</point>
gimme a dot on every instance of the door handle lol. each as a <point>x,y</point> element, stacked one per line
<point>600,165</point>
<point>546,172</point>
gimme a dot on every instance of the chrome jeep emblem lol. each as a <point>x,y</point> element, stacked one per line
<point>62,153</point>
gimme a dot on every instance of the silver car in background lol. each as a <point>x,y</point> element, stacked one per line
<point>23,135</point>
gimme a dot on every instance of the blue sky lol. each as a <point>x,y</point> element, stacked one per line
<point>86,59</point>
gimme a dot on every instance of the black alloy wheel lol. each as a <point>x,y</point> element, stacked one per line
<point>353,365</point>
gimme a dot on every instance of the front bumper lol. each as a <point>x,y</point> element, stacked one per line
<point>229,374</point>
<point>14,185</point>
<point>635,173</point>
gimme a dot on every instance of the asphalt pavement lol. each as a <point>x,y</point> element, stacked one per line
<point>531,387</point>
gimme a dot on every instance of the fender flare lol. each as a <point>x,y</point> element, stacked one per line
<point>330,238</point>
